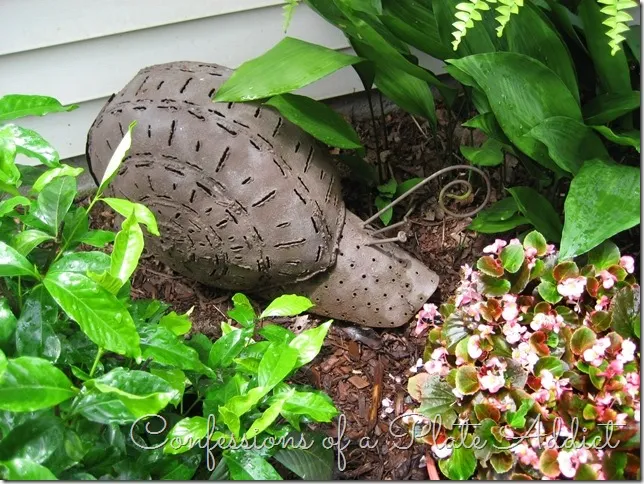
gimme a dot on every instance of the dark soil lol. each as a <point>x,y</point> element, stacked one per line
<point>359,367</point>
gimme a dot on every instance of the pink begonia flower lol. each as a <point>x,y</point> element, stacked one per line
<point>428,313</point>
<point>501,405</point>
<point>410,417</point>
<point>474,311</point>
<point>632,387</point>
<point>496,247</point>
<point>602,303</point>
<point>497,364</point>
<point>608,279</point>
<point>595,354</point>
<point>526,455</point>
<point>510,309</point>
<point>436,367</point>
<point>513,331</point>
<point>620,420</point>
<point>442,451</point>
<point>492,382</point>
<point>474,347</point>
<point>615,367</point>
<point>525,355</point>
<point>570,460</point>
<point>466,296</point>
<point>549,322</point>
<point>636,415</point>
<point>439,353</point>
<point>628,263</point>
<point>628,351</point>
<point>457,393</point>
<point>508,433</point>
<point>485,330</point>
<point>466,271</point>
<point>557,385</point>
<point>573,287</point>
<point>550,249</point>
<point>541,396</point>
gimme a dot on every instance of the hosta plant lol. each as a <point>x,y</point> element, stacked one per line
<point>96,385</point>
<point>532,368</point>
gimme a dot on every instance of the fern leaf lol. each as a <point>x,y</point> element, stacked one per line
<point>616,21</point>
<point>505,10</point>
<point>467,14</point>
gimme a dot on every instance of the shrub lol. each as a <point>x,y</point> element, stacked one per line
<point>95,385</point>
<point>533,365</point>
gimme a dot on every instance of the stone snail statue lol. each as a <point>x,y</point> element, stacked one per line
<point>247,201</point>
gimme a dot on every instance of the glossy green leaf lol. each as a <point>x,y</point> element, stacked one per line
<point>82,262</point>
<point>633,40</point>
<point>176,378</point>
<point>308,343</point>
<point>185,435</point>
<point>512,257</point>
<point>548,292</point>
<point>387,215</point>
<point>177,323</point>
<point>35,335</point>
<point>3,363</point>
<point>517,419</point>
<point>103,408</point>
<point>536,208</point>
<point>502,76</point>
<point>31,144</point>
<point>8,323</point>
<point>460,465</point>
<point>267,417</point>
<point>164,347</point>
<point>26,241</point>
<point>535,240</point>
<point>30,384</point>
<point>287,305</point>
<point>624,138</point>
<point>8,205</point>
<point>75,226</point>
<point>612,70</point>
<point>315,405</point>
<point>54,202</point>
<point>14,106</point>
<point>226,348</point>
<point>409,92</point>
<point>626,311</point>
<point>313,463</point>
<point>604,255</point>
<point>276,334</point>
<point>496,226</point>
<point>249,465</point>
<point>438,400</point>
<point>494,286</point>
<point>276,364</point>
<point>101,316</point>
<point>142,213</point>
<point>128,247</point>
<point>25,470</point>
<point>610,106</point>
<point>141,392</point>
<point>115,162</point>
<point>551,363</point>
<point>487,123</point>
<point>35,439</point>
<point>317,119</point>
<point>242,310</point>
<point>467,381</point>
<point>98,238</point>
<point>569,142</point>
<point>12,263</point>
<point>489,154</point>
<point>603,200</point>
<point>47,177</point>
<point>288,66</point>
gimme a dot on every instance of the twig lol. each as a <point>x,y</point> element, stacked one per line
<point>419,128</point>
<point>431,467</point>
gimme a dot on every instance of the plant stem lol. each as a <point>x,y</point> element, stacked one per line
<point>187,412</point>
<point>381,176</point>
<point>99,353</point>
<point>383,120</point>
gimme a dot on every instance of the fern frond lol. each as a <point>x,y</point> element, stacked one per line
<point>505,10</point>
<point>467,14</point>
<point>616,21</point>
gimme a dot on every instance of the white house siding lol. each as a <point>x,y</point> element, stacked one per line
<point>82,51</point>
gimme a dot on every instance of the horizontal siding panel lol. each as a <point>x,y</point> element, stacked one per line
<point>65,21</point>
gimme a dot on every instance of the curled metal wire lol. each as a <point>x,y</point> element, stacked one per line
<point>401,236</point>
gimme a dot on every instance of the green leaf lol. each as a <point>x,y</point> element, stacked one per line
<point>487,123</point>
<point>381,203</point>
<point>26,470</point>
<point>612,70</point>
<point>467,380</point>
<point>242,311</point>
<point>31,144</point>
<point>97,238</point>
<point>633,40</point>
<point>536,208</point>
<point>8,323</point>
<point>14,106</point>
<point>249,465</point>
<point>35,439</point>
<point>308,343</point>
<point>604,255</point>
<point>267,417</point>
<point>551,363</point>
<point>164,347</point>
<point>7,205</point>
<point>3,363</point>
<point>517,419</point>
<point>548,292</point>
<point>128,247</point>
<point>176,378</point>
<point>490,265</point>
<point>35,335</point>
<point>142,213</point>
<point>276,364</point>
<point>534,240</point>
<point>186,434</point>
<point>277,334</point>
<point>493,286</point>
<point>489,154</point>
<point>316,405</point>
<point>317,119</point>
<point>101,316</point>
<point>582,339</point>
<point>623,138</point>
<point>82,263</point>
<point>26,241</point>
<point>569,142</point>
<point>30,384</point>
<point>50,175</point>
<point>287,305</point>
<point>314,463</point>
<point>438,400</point>
<point>115,163</point>
<point>12,263</point>
<point>407,91</point>
<point>610,106</point>
<point>288,66</point>
<point>103,408</point>
<point>512,257</point>
<point>226,348</point>
<point>177,323</point>
<point>499,217</point>
<point>502,76</point>
<point>625,307</point>
<point>603,200</point>
<point>54,202</point>
<point>614,464</point>
<point>142,393</point>
<point>460,465</point>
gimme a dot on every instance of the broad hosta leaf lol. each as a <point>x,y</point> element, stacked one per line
<point>12,263</point>
<point>142,393</point>
<point>314,463</point>
<point>30,384</point>
<point>487,123</point>
<point>35,439</point>
<point>14,106</point>
<point>288,66</point>
<point>142,213</point>
<point>31,144</point>
<point>489,154</point>
<point>54,201</point>
<point>536,208</point>
<point>35,335</point>
<point>249,465</point>
<point>308,343</point>
<point>610,106</point>
<point>186,434</point>
<point>101,316</point>
<point>227,348</point>
<point>62,170</point>
<point>502,76</point>
<point>26,241</point>
<point>128,247</point>
<point>407,91</point>
<point>115,161</point>
<point>569,142</point>
<point>531,33</point>
<point>612,70</point>
<point>603,200</point>
<point>25,470</point>
<point>287,305</point>
<point>624,138</point>
<point>317,119</point>
<point>164,347</point>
